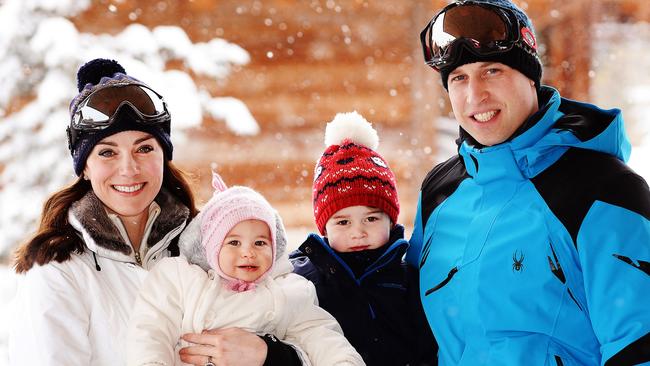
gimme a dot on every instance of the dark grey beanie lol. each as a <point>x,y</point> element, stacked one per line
<point>522,57</point>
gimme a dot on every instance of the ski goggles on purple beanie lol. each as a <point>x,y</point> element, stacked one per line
<point>98,110</point>
<point>471,31</point>
<point>116,104</point>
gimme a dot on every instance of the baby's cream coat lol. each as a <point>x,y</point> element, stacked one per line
<point>178,297</point>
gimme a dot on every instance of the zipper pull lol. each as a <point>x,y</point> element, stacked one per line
<point>444,282</point>
<point>137,258</point>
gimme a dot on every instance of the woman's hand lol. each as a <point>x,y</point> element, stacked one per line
<point>224,347</point>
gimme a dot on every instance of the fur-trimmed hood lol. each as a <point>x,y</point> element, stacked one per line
<point>106,236</point>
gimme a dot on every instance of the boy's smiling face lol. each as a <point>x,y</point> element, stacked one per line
<point>357,228</point>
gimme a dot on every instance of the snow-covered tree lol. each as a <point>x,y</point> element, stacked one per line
<point>40,52</point>
<point>619,80</point>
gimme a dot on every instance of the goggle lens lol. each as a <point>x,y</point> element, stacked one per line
<point>100,106</point>
<point>487,30</point>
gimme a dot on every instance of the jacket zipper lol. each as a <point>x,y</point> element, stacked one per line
<point>137,258</point>
<point>441,284</point>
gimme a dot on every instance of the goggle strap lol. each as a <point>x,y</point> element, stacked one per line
<point>163,120</point>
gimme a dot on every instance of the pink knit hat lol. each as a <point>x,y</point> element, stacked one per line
<point>227,208</point>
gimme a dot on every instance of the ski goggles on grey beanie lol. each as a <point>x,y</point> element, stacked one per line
<point>481,30</point>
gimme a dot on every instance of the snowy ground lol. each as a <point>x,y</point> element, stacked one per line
<point>7,290</point>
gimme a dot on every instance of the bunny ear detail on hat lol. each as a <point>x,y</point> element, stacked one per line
<point>217,183</point>
<point>350,172</point>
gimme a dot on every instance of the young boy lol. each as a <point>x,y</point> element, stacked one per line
<point>356,265</point>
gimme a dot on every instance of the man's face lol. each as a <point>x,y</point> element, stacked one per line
<point>491,100</point>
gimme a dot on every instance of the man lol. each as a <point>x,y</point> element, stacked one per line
<point>533,243</point>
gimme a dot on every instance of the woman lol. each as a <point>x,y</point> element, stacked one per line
<point>98,237</point>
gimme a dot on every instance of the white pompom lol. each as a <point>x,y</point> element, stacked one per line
<point>351,126</point>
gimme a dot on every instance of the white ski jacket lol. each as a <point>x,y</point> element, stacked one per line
<point>76,312</point>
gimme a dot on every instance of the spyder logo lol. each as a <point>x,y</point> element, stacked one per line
<point>518,261</point>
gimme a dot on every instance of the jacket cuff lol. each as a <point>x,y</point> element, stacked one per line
<point>279,353</point>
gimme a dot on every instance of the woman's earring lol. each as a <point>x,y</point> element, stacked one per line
<point>85,177</point>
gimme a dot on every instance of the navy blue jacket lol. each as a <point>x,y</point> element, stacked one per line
<point>378,308</point>
<point>536,251</point>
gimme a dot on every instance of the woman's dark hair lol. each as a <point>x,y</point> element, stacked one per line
<point>57,240</point>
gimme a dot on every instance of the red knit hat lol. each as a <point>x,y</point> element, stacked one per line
<point>351,172</point>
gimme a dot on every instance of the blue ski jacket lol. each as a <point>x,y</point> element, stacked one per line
<point>536,251</point>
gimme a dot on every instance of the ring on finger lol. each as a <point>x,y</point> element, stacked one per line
<point>209,362</point>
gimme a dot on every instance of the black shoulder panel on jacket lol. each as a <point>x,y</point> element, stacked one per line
<point>581,177</point>
<point>585,123</point>
<point>634,354</point>
<point>440,183</point>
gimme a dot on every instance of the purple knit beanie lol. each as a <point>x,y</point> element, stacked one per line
<point>227,208</point>
<point>100,73</point>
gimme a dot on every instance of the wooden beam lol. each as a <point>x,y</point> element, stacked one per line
<point>566,38</point>
<point>610,10</point>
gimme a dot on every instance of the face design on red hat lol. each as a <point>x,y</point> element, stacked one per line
<point>357,228</point>
<point>379,161</point>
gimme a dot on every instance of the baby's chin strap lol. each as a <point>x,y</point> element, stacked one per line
<point>237,285</point>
